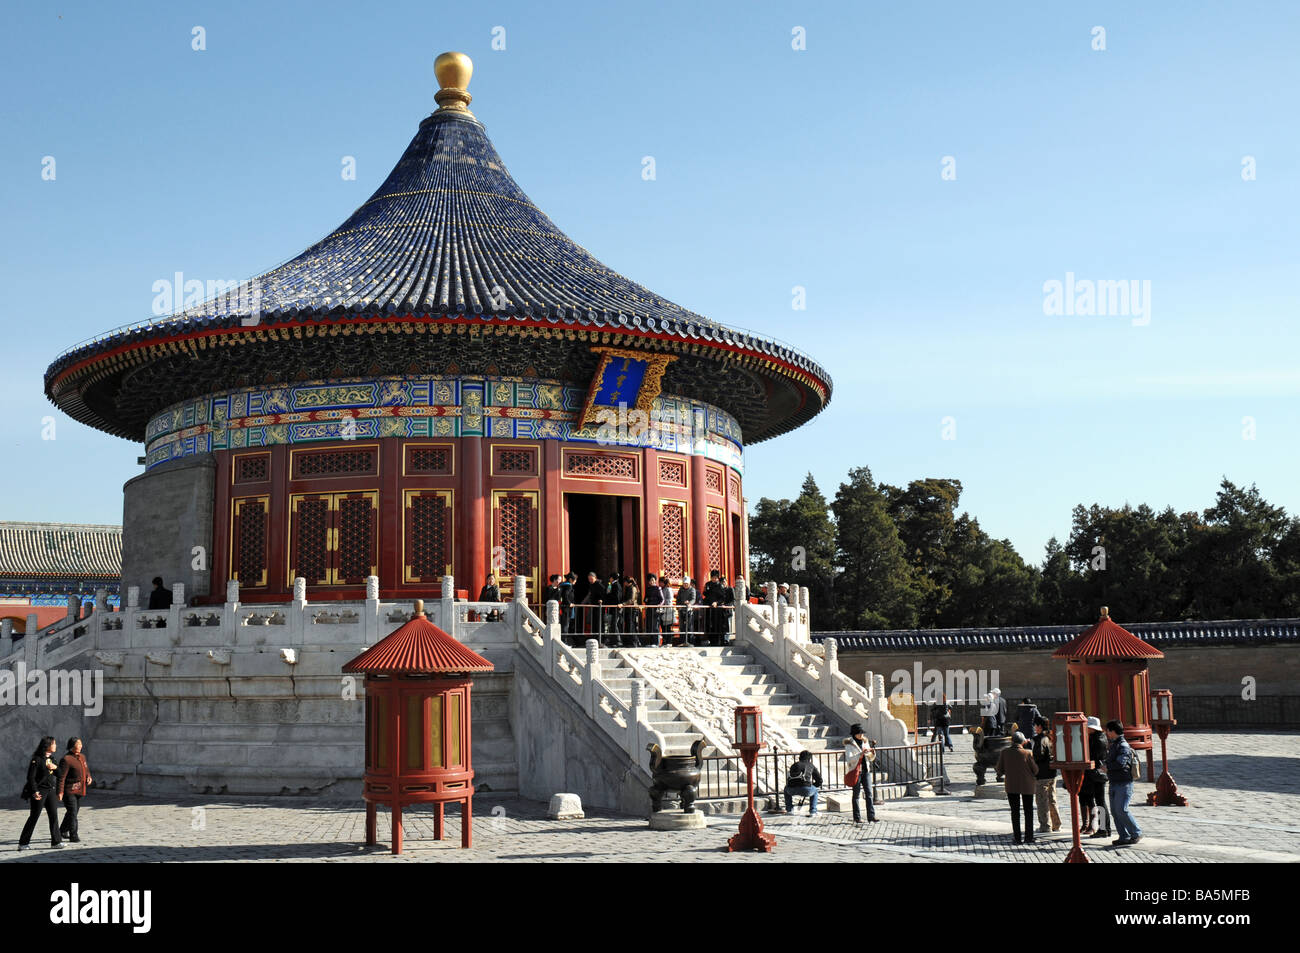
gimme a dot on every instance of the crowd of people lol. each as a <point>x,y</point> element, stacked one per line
<point>1030,778</point>
<point>619,612</point>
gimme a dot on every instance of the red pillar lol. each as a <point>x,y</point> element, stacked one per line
<point>474,519</point>
<point>391,515</point>
<point>554,559</point>
<point>654,549</point>
<point>699,526</point>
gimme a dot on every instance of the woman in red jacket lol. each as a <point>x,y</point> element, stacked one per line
<point>74,781</point>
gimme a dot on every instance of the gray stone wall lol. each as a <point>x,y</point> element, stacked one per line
<point>165,514</point>
<point>560,748</point>
<point>1203,670</point>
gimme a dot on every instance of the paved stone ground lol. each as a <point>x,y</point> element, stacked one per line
<point>1245,792</point>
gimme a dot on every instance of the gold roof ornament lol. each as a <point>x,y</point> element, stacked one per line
<point>453,71</point>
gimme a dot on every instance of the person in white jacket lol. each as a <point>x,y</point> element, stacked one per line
<point>859,752</point>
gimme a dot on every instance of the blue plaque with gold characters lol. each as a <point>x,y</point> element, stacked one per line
<point>631,379</point>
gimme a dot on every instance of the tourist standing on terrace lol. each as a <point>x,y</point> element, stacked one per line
<point>631,612</point>
<point>1049,819</point>
<point>159,598</point>
<point>1016,765</point>
<point>1120,759</point>
<point>686,627</point>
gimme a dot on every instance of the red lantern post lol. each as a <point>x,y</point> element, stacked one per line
<point>749,731</point>
<point>1070,757</point>
<point>1162,711</point>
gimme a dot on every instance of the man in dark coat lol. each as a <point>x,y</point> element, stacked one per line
<point>999,712</point>
<point>613,615</point>
<point>551,591</point>
<point>1120,757</point>
<point>726,611</point>
<point>686,596</point>
<point>1027,715</point>
<point>566,603</point>
<point>159,598</point>
<point>591,606</point>
<point>712,598</point>
<point>654,597</point>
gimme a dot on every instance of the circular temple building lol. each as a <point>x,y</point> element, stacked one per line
<point>446,383</point>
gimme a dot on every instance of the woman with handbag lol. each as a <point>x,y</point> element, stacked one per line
<point>39,791</point>
<point>858,754</point>
<point>74,780</point>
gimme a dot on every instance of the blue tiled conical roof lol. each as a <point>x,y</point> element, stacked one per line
<point>450,245</point>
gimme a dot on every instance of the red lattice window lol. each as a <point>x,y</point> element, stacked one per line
<point>612,466</point>
<point>713,480</point>
<point>515,535</point>
<point>428,535</point>
<point>309,540</point>
<point>363,461</point>
<point>253,468</point>
<point>672,472</point>
<point>733,484</point>
<point>714,528</point>
<point>249,542</point>
<point>672,533</point>
<point>514,461</point>
<point>356,539</point>
<point>428,461</point>
<point>333,538</point>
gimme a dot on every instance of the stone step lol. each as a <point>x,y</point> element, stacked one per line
<point>764,689</point>
<point>740,666</point>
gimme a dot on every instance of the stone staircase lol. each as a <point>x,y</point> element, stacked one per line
<point>678,732</point>
<point>809,724</point>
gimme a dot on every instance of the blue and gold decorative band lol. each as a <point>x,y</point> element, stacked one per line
<point>367,408</point>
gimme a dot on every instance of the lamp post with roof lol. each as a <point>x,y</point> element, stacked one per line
<point>749,739</point>
<point>1070,757</point>
<point>1162,711</point>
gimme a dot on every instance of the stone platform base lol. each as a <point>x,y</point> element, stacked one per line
<point>994,789</point>
<point>677,821</point>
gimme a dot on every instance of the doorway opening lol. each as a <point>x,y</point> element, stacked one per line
<point>603,534</point>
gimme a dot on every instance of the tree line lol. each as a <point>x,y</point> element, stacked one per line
<point>887,557</point>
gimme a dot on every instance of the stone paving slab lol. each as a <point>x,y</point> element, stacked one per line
<point>1251,821</point>
<point>134,829</point>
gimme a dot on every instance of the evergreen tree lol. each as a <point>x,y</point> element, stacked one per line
<point>875,588</point>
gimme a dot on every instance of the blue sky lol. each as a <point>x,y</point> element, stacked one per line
<point>776,168</point>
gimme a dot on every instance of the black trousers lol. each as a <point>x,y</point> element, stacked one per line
<point>653,623</point>
<point>48,804</point>
<point>864,785</point>
<point>1027,803</point>
<point>72,804</point>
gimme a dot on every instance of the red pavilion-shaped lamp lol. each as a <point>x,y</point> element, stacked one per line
<point>1107,677</point>
<point>418,724</point>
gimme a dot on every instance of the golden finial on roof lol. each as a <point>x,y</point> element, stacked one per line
<point>1105,611</point>
<point>419,607</point>
<point>453,71</point>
